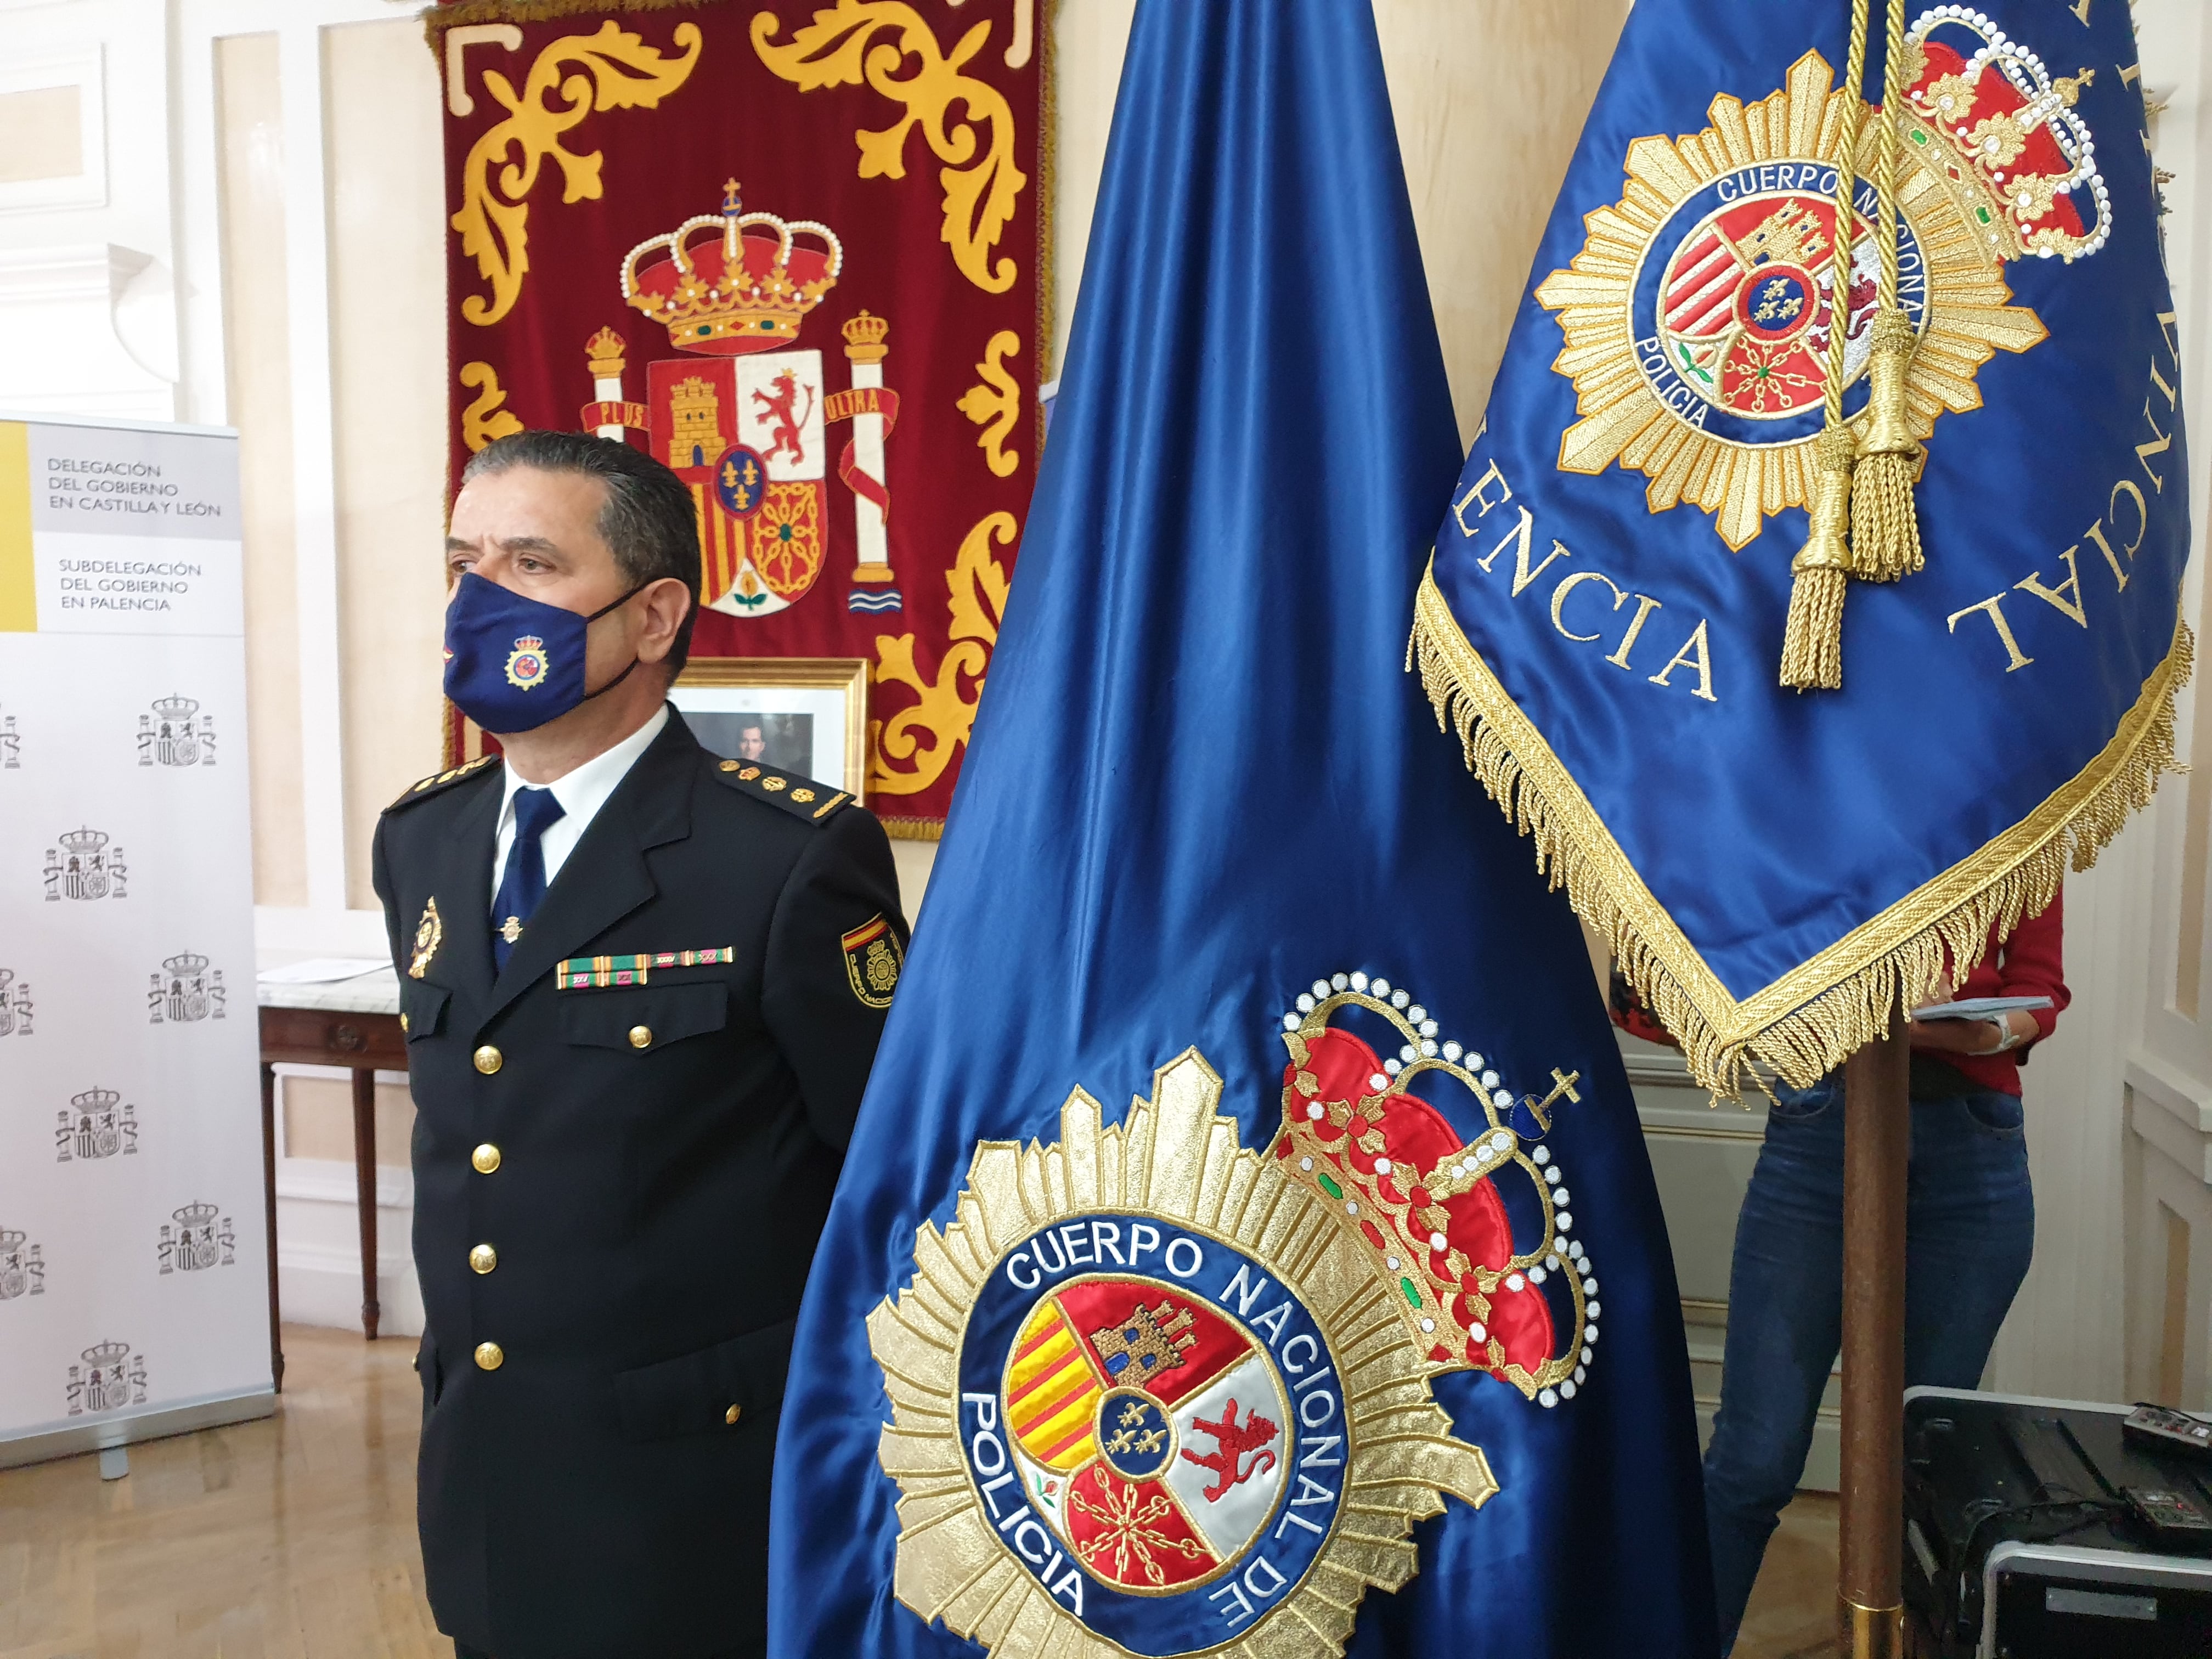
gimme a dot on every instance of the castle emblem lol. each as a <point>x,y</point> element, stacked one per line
<point>197,1237</point>
<point>84,867</point>
<point>742,417</point>
<point>111,1377</point>
<point>1175,1393</point>
<point>176,734</point>
<point>185,990</point>
<point>15,1005</point>
<point>98,1124</point>
<point>23,1269</point>
<point>1697,317</point>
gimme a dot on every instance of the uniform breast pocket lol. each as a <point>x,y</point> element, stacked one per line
<point>644,1019</point>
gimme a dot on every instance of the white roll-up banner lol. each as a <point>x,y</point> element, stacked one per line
<point>133,1254</point>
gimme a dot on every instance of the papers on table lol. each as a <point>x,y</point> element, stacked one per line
<point>323,970</point>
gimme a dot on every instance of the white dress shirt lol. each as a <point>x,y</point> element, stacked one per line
<point>580,793</point>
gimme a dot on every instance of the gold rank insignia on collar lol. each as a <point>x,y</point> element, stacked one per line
<point>597,973</point>
<point>872,961</point>
<point>429,933</point>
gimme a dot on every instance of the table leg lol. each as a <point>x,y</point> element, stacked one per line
<point>364,1182</point>
<point>269,1194</point>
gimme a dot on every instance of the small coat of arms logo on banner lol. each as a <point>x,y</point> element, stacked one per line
<point>176,734</point>
<point>186,989</point>
<point>23,1269</point>
<point>111,1377</point>
<point>196,1237</point>
<point>1175,1393</point>
<point>98,1124</point>
<point>84,867</point>
<point>15,1005</point>
<point>1697,317</point>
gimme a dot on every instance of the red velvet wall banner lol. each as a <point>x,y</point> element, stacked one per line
<point>797,256</point>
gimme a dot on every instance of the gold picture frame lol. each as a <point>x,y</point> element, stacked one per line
<point>823,698</point>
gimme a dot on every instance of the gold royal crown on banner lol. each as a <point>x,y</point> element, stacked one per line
<point>745,289</point>
<point>1993,124</point>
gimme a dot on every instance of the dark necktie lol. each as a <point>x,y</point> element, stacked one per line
<point>536,811</point>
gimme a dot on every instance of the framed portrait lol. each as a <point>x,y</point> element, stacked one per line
<point>803,714</point>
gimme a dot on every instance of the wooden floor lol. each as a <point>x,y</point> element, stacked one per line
<point>294,1537</point>
<point>290,1538</point>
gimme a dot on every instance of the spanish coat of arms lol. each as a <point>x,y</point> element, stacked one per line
<point>797,257</point>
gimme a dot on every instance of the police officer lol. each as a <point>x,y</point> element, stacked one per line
<point>643,987</point>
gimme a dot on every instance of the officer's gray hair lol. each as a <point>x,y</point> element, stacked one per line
<point>649,520</point>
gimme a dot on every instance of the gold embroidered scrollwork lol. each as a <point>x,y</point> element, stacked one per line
<point>841,47</point>
<point>572,78</point>
<point>910,750</point>
<point>995,403</point>
<point>488,418</point>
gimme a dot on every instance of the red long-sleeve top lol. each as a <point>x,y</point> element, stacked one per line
<point>2030,964</point>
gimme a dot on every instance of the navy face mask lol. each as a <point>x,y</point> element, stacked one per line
<point>514,663</point>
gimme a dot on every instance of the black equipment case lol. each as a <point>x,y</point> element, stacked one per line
<point>2022,1539</point>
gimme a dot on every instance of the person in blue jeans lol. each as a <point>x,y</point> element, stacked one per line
<point>1969,1231</point>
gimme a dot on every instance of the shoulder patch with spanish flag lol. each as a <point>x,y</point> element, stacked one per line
<point>872,961</point>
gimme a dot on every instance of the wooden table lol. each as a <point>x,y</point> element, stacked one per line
<point>353,1023</point>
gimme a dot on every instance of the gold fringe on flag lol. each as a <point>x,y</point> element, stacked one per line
<point>1808,1022</point>
<point>1885,526</point>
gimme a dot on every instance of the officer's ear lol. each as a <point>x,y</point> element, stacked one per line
<point>664,613</point>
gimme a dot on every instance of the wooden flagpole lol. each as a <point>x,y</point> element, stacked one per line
<point>1877,1143</point>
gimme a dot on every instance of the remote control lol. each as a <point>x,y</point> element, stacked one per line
<point>2154,1428</point>
<point>2174,1519</point>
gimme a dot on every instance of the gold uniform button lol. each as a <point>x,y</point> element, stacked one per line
<point>641,1036</point>
<point>484,1159</point>
<point>733,1414</point>
<point>490,1059</point>
<point>729,766</point>
<point>489,1358</point>
<point>483,1258</point>
<point>402,1023</point>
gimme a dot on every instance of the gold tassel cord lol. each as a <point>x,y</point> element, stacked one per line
<point>1813,637</point>
<point>1900,958</point>
<point>1885,524</point>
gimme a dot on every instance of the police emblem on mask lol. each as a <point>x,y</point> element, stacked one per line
<point>525,664</point>
<point>1183,1400</point>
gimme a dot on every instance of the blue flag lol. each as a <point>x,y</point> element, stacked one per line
<point>1247,1215</point>
<point>1931,438</point>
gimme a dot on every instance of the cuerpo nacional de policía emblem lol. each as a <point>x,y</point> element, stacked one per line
<point>1697,316</point>
<point>1155,1393</point>
<point>525,664</point>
